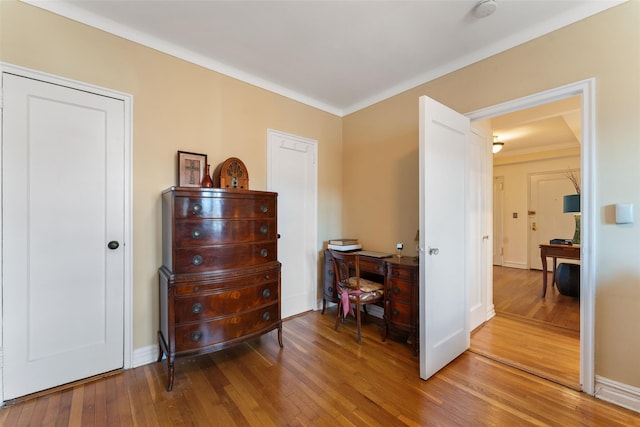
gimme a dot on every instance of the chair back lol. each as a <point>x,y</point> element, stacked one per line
<point>346,266</point>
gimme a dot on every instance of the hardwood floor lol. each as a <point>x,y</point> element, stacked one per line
<point>540,336</point>
<point>518,292</point>
<point>321,377</point>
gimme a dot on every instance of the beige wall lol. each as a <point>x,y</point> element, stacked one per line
<point>381,146</point>
<point>177,106</point>
<point>516,199</point>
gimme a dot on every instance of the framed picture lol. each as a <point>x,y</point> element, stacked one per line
<point>191,168</point>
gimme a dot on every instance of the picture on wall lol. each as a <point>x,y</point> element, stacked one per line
<point>191,167</point>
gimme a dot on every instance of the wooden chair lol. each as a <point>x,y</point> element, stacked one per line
<point>352,289</point>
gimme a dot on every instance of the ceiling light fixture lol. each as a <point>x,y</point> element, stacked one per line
<point>484,8</point>
<point>497,145</point>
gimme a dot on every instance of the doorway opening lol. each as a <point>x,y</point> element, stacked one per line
<point>584,90</point>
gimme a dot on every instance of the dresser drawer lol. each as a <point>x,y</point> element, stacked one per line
<point>225,207</point>
<point>191,233</point>
<point>223,303</point>
<point>225,329</point>
<point>398,313</point>
<point>399,290</point>
<point>222,257</point>
<point>227,282</point>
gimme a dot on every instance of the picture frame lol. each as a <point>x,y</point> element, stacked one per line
<point>191,168</point>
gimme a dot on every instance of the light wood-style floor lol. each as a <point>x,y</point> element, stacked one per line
<point>541,336</point>
<point>322,377</point>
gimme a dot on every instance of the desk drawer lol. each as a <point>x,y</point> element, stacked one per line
<point>370,266</point>
<point>399,290</point>
<point>399,313</point>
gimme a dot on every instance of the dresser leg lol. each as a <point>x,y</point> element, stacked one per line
<point>280,336</point>
<point>160,353</point>
<point>170,372</point>
<point>324,305</point>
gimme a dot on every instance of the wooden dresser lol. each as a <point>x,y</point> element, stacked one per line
<point>220,278</point>
<point>400,277</point>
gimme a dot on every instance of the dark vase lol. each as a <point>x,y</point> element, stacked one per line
<point>206,180</point>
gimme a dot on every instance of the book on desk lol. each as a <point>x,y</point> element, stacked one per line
<point>344,245</point>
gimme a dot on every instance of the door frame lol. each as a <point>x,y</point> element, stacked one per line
<point>128,201</point>
<point>586,89</point>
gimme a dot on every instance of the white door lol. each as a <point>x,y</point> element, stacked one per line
<point>292,173</point>
<point>478,184</point>
<point>62,203</point>
<point>546,219</point>
<point>444,300</point>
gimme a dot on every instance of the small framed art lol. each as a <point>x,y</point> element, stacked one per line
<point>191,168</point>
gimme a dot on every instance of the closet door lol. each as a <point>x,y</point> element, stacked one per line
<point>63,229</point>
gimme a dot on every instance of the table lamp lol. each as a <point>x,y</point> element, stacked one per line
<point>571,204</point>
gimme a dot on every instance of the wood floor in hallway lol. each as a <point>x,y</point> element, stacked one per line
<point>538,335</point>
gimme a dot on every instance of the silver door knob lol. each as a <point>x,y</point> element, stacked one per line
<point>434,251</point>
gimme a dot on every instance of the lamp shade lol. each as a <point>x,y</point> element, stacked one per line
<point>571,203</point>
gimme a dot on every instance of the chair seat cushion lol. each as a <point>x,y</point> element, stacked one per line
<point>365,285</point>
<point>370,290</point>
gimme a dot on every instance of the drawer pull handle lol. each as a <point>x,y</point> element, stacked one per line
<point>266,316</point>
<point>196,308</point>
<point>395,312</point>
<point>266,293</point>
<point>264,229</point>
<point>264,253</point>
<point>264,208</point>
<point>196,234</point>
<point>267,276</point>
<point>196,336</point>
<point>196,289</point>
<point>396,290</point>
<point>196,209</point>
<point>196,260</point>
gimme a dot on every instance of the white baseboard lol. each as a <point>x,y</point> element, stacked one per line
<point>618,393</point>
<point>515,265</point>
<point>145,355</point>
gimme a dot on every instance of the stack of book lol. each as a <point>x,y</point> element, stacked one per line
<point>344,245</point>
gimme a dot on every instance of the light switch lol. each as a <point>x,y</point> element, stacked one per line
<point>624,213</point>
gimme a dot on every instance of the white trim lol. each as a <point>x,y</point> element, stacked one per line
<point>618,393</point>
<point>127,100</point>
<point>75,13</point>
<point>145,355</point>
<point>585,88</point>
<point>515,265</point>
<point>71,11</point>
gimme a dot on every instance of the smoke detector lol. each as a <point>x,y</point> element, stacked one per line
<point>484,8</point>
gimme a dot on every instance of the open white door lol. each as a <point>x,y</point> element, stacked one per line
<point>444,302</point>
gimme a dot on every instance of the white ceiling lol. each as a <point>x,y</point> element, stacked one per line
<point>548,127</point>
<point>339,56</point>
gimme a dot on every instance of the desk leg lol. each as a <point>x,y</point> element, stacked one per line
<point>553,272</point>
<point>544,274</point>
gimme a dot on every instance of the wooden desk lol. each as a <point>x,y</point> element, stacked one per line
<point>555,252</point>
<point>401,280</point>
